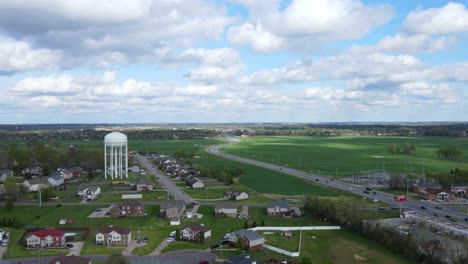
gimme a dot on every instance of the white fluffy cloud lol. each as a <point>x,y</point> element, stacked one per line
<point>20,56</point>
<point>449,19</point>
<point>306,23</point>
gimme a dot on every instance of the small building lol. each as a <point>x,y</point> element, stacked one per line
<point>55,179</point>
<point>114,236</point>
<point>88,191</point>
<point>172,209</point>
<point>130,208</point>
<point>193,232</point>
<point>65,221</point>
<point>440,194</point>
<point>252,240</point>
<point>196,183</point>
<point>134,169</point>
<point>5,174</point>
<point>36,184</point>
<point>226,210</point>
<point>32,171</point>
<point>282,208</point>
<point>46,238</point>
<point>141,185</point>
<point>70,260</point>
<point>236,195</point>
<point>66,173</point>
<point>174,222</point>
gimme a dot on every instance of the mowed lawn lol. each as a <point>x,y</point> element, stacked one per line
<point>344,155</point>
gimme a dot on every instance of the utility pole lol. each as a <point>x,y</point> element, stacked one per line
<point>40,198</point>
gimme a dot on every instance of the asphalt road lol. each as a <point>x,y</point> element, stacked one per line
<point>170,186</point>
<point>176,257</point>
<point>356,189</point>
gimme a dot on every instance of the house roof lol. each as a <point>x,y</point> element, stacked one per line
<point>38,180</point>
<point>56,176</point>
<point>83,187</point>
<point>69,260</point>
<point>226,206</point>
<point>195,180</point>
<point>5,171</point>
<point>280,204</point>
<point>437,191</point>
<point>426,184</point>
<point>132,203</point>
<point>240,259</point>
<point>196,228</point>
<point>172,203</point>
<point>117,229</point>
<point>460,184</point>
<point>248,234</point>
<point>49,232</point>
<point>142,181</point>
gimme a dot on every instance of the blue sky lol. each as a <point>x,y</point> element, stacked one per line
<point>233,61</point>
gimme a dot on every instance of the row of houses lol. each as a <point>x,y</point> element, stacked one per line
<point>176,169</point>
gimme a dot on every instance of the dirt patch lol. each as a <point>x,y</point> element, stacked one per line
<point>357,257</point>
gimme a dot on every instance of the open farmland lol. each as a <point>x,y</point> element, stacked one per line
<point>343,156</point>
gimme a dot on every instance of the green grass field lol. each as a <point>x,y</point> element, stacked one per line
<point>343,156</point>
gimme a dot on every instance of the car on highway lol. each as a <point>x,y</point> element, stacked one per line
<point>466,219</point>
<point>366,192</point>
<point>436,215</point>
<point>381,209</point>
<point>350,188</point>
<point>374,192</point>
<point>369,189</point>
<point>170,240</point>
<point>438,207</point>
<point>422,207</point>
<point>448,216</point>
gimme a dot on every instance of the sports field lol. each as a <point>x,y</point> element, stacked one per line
<point>343,156</point>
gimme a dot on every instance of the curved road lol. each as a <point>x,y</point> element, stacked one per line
<point>356,189</point>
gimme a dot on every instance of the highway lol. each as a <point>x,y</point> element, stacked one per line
<point>412,205</point>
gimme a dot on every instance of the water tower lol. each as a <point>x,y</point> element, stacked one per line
<point>115,155</point>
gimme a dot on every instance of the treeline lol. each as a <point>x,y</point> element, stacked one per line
<point>450,152</point>
<point>454,176</point>
<point>406,148</point>
<point>227,176</point>
<point>53,155</point>
<point>360,220</point>
<point>91,134</point>
<point>10,222</point>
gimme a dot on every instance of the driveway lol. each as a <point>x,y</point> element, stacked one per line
<point>159,248</point>
<point>133,244</point>
<point>76,249</point>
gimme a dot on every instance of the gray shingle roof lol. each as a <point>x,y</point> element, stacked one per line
<point>280,204</point>
<point>83,187</point>
<point>172,203</point>
<point>249,234</point>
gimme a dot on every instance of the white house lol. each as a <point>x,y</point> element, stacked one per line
<point>236,195</point>
<point>36,184</point>
<point>113,236</point>
<point>55,179</point>
<point>88,191</point>
<point>4,174</point>
<point>134,169</point>
<point>226,209</point>
<point>196,183</point>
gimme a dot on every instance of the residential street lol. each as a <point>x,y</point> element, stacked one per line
<point>170,186</point>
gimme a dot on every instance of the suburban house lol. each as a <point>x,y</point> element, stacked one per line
<point>66,173</point>
<point>240,259</point>
<point>46,238</point>
<point>282,208</point>
<point>113,236</point>
<point>5,174</point>
<point>196,183</point>
<point>252,240</point>
<point>36,184</point>
<point>130,208</point>
<point>30,171</point>
<point>459,189</point>
<point>226,210</point>
<point>141,185</point>
<point>55,178</point>
<point>134,169</point>
<point>440,194</point>
<point>422,185</point>
<point>70,260</point>
<point>193,232</point>
<point>236,195</point>
<point>88,191</point>
<point>172,209</point>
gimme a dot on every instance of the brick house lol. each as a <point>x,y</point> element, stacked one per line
<point>130,208</point>
<point>141,185</point>
<point>193,232</point>
<point>171,209</point>
<point>282,208</point>
<point>442,194</point>
<point>252,240</point>
<point>46,238</point>
<point>114,236</point>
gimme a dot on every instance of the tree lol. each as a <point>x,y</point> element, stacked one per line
<point>47,193</point>
<point>202,237</point>
<point>177,234</point>
<point>9,204</point>
<point>450,152</point>
<point>117,259</point>
<point>246,225</point>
